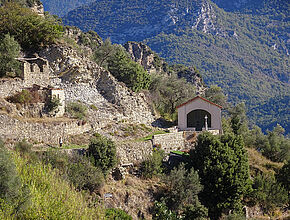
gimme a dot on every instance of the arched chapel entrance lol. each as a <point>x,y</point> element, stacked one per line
<point>196,119</point>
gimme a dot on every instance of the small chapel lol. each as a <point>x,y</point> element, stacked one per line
<point>199,114</point>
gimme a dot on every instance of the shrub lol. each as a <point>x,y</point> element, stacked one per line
<point>283,175</point>
<point>9,50</point>
<point>53,104</point>
<point>103,151</point>
<point>10,183</point>
<point>84,175</point>
<point>114,214</point>
<point>183,188</point>
<point>13,195</point>
<point>269,193</point>
<point>152,166</point>
<point>76,169</point>
<point>30,30</point>
<point>128,71</point>
<point>77,110</point>
<point>162,212</point>
<point>23,97</point>
<point>52,196</point>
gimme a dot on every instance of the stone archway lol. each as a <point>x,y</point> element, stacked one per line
<point>196,119</point>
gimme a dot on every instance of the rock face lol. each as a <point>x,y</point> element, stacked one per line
<point>153,18</point>
<point>37,7</point>
<point>85,81</point>
<point>142,54</point>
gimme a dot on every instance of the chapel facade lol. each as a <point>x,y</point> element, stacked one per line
<point>200,114</point>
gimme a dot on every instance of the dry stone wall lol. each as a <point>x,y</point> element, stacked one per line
<point>134,152</point>
<point>13,130</point>
<point>170,141</point>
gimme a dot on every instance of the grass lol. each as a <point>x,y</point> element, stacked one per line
<point>258,162</point>
<point>181,153</point>
<point>150,136</point>
<point>51,196</point>
<point>74,146</point>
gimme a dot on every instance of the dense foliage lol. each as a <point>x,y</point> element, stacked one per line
<point>28,29</point>
<point>112,214</point>
<point>76,110</point>
<point>268,193</point>
<point>152,166</point>
<point>9,51</point>
<point>76,169</point>
<point>12,193</point>
<point>223,168</point>
<point>167,92</point>
<point>60,8</point>
<point>128,71</point>
<point>103,151</point>
<point>181,196</point>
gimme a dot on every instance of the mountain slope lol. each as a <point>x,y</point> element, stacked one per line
<point>244,49</point>
<point>60,8</point>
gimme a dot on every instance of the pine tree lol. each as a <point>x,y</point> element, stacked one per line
<point>224,172</point>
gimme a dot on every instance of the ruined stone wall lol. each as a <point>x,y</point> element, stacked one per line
<point>13,130</point>
<point>170,141</point>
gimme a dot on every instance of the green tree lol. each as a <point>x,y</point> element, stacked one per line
<point>283,175</point>
<point>216,95</point>
<point>168,92</point>
<point>239,121</point>
<point>268,193</point>
<point>152,166</point>
<point>84,175</point>
<point>103,150</point>
<point>128,71</point>
<point>114,214</point>
<point>105,51</point>
<point>183,189</point>
<point>9,51</point>
<point>30,30</point>
<point>278,147</point>
<point>223,168</point>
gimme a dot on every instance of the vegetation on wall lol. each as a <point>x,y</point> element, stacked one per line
<point>76,110</point>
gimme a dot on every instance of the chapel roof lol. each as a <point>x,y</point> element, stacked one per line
<point>198,97</point>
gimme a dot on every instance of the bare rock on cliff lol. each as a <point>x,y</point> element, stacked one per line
<point>85,81</point>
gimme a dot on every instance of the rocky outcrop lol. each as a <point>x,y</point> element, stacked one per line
<point>143,55</point>
<point>37,7</point>
<point>85,81</point>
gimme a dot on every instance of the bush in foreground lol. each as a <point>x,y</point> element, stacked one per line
<point>104,153</point>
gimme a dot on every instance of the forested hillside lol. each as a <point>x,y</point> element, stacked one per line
<point>244,49</point>
<point>62,7</point>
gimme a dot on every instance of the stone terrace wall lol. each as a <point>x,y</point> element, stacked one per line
<point>13,130</point>
<point>170,141</point>
<point>134,152</point>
